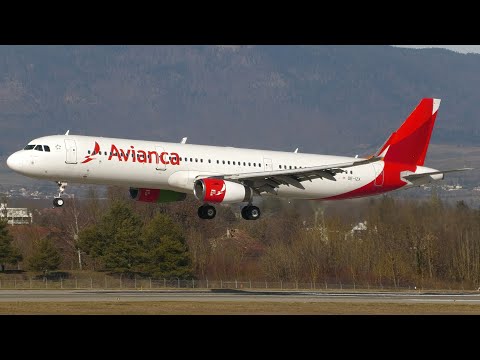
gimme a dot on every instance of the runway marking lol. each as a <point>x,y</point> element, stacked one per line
<point>225,295</point>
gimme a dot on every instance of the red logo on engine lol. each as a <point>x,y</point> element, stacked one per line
<point>214,190</point>
<point>149,195</point>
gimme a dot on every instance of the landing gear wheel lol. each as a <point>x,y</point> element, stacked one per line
<point>244,213</point>
<point>207,212</point>
<point>251,212</point>
<point>58,202</point>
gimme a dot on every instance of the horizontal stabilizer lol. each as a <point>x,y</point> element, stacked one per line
<point>414,177</point>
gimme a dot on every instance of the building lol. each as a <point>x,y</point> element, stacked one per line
<point>361,226</point>
<point>16,216</point>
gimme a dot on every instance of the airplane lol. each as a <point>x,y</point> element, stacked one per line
<point>165,172</point>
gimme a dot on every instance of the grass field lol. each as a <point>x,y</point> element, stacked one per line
<point>233,308</point>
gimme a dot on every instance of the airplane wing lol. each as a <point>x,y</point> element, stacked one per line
<point>267,181</point>
<point>414,177</point>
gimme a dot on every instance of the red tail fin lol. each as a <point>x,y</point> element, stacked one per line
<point>409,144</point>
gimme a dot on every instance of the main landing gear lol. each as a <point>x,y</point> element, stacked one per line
<point>208,212</point>
<point>250,212</point>
<point>57,200</point>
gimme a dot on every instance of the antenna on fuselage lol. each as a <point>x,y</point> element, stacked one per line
<point>67,132</point>
<point>184,140</point>
<point>296,150</point>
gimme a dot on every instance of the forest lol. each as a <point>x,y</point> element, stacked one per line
<point>379,241</point>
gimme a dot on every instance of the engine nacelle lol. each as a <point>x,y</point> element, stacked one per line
<point>221,191</point>
<point>156,195</point>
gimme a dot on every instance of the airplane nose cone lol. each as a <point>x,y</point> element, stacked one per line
<point>14,162</point>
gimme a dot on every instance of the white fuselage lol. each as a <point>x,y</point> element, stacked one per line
<point>175,166</point>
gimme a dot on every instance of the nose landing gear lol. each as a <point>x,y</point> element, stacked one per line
<point>57,200</point>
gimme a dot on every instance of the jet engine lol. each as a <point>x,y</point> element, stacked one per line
<point>156,195</point>
<point>220,191</point>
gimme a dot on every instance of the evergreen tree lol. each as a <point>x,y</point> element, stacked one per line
<point>8,253</point>
<point>115,239</point>
<point>167,252</point>
<point>125,252</point>
<point>45,258</point>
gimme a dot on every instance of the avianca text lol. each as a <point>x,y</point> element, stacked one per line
<point>142,156</point>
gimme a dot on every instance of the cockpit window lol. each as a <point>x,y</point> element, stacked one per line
<point>39,148</point>
<point>29,147</point>
<point>47,148</point>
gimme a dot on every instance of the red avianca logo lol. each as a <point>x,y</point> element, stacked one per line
<point>89,158</point>
<point>134,155</point>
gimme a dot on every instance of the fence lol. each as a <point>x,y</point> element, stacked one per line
<point>111,283</point>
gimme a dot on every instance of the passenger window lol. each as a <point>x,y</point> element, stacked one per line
<point>255,164</point>
<point>191,159</point>
<point>290,167</point>
<point>218,161</point>
<point>89,152</point>
<point>234,163</point>
<point>209,161</point>
<point>223,162</point>
<point>244,164</point>
<point>249,164</point>
<point>47,148</point>
<point>201,160</point>
<point>39,148</point>
<point>196,160</point>
<point>228,162</point>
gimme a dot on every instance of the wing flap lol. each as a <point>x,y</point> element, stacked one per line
<point>268,181</point>
<point>323,171</point>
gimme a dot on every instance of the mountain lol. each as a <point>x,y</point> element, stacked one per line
<point>322,99</point>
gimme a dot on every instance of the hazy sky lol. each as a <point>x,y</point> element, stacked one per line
<point>458,48</point>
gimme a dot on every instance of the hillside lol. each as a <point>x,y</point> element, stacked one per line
<point>323,99</point>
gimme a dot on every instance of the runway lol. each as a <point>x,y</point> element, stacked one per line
<point>225,295</point>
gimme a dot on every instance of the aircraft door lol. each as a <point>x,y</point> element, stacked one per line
<point>268,164</point>
<point>160,155</point>
<point>71,151</point>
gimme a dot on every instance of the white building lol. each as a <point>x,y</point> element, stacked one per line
<point>15,216</point>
